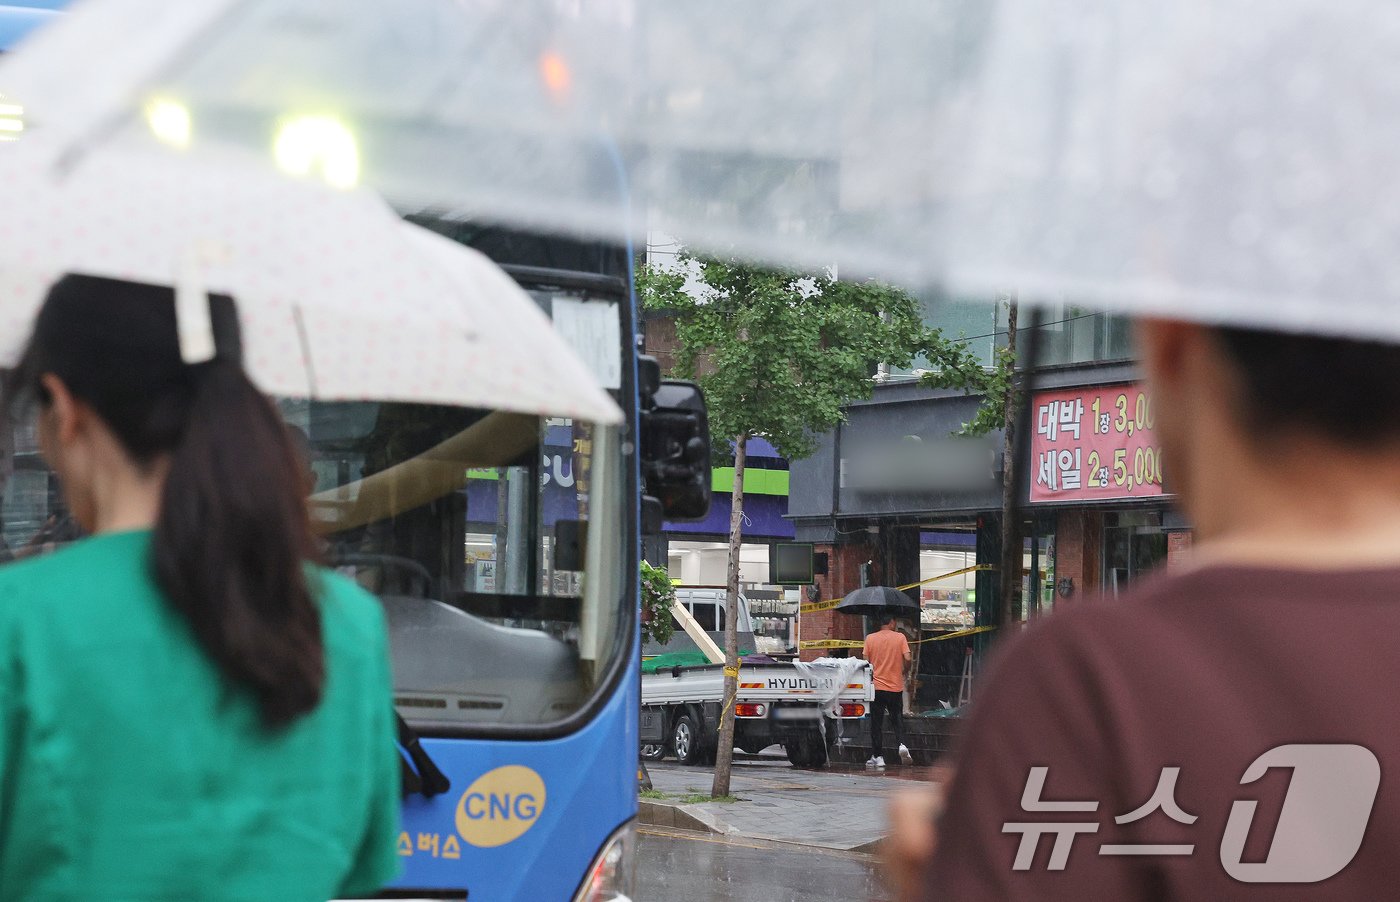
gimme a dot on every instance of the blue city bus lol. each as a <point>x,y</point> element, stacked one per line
<point>505,550</point>
<point>521,682</point>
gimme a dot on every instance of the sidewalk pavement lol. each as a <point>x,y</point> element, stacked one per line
<point>840,808</point>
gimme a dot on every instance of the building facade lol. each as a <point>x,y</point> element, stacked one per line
<point>1096,516</point>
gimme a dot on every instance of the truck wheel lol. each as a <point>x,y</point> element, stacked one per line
<point>685,740</point>
<point>807,751</point>
<point>654,752</point>
<point>796,753</point>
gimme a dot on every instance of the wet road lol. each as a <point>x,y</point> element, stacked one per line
<point>677,866</point>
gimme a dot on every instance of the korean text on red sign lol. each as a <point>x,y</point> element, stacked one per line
<point>1094,444</point>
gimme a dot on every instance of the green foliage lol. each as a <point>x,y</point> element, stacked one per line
<point>658,594</point>
<point>780,353</point>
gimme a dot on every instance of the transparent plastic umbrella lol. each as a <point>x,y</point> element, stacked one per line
<point>338,298</point>
<point>1227,160</point>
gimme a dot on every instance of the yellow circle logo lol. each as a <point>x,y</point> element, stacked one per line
<point>500,806</point>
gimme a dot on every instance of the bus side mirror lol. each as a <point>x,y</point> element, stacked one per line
<point>675,446</point>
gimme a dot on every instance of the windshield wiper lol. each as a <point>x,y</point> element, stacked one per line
<point>424,777</point>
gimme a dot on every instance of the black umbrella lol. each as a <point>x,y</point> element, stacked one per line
<point>876,600</point>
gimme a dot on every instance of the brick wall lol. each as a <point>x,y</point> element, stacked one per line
<point>659,340</point>
<point>842,577</point>
<point>1069,552</point>
<point>1079,552</point>
<point>1093,552</point>
<point>1178,548</point>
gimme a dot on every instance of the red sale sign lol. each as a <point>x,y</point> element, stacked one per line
<point>1094,444</point>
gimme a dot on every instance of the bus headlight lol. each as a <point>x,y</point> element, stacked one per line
<point>610,876</point>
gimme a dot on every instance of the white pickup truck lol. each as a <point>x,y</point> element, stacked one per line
<point>803,707</point>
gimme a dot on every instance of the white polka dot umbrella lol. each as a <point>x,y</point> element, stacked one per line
<point>337,297</point>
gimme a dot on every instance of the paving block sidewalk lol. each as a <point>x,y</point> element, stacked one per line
<point>832,809</point>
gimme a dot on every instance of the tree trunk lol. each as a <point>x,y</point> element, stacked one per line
<point>724,757</point>
<point>1011,539</point>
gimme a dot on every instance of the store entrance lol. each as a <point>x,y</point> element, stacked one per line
<point>1133,545</point>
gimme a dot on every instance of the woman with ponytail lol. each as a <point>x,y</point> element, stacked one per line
<point>189,708</point>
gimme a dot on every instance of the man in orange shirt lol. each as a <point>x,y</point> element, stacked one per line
<point>888,653</point>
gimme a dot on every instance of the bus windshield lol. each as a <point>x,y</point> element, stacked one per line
<point>493,540</point>
<point>473,527</point>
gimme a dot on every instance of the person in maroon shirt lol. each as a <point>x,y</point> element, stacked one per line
<point>1227,730</point>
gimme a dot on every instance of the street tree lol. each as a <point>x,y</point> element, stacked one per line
<point>779,354</point>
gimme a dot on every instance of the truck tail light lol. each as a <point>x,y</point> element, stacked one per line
<point>750,710</point>
<point>851,709</point>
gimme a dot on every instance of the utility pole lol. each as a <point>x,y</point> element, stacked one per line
<point>1011,538</point>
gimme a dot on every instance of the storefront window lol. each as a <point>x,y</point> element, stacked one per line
<point>1038,577</point>
<point>774,613</point>
<point>700,563</point>
<point>948,602</point>
<point>1133,545</point>
<point>947,592</point>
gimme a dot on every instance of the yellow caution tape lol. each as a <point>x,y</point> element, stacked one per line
<point>815,606</point>
<point>933,579</point>
<point>831,643</point>
<point>734,673</point>
<point>955,635</point>
<point>860,643</point>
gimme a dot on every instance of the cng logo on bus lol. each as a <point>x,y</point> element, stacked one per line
<point>500,806</point>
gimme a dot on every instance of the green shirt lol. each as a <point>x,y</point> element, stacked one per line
<point>131,772</point>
